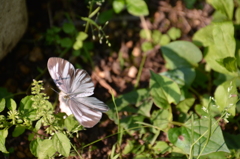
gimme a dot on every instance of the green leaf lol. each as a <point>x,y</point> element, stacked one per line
<point>137,7</point>
<point>2,104</point>
<point>26,110</point>
<point>3,136</point>
<point>161,147</point>
<point>180,54</point>
<point>145,107</point>
<point>130,122</point>
<point>184,137</point>
<point>237,15</point>
<point>218,16</point>
<point>77,45</point>
<point>71,123</point>
<point>68,28</point>
<point>216,155</point>
<point>146,46</point>
<point>161,118</point>
<point>144,33</point>
<point>128,147</point>
<point>81,36</point>
<point>118,5</point>
<point>164,40</point>
<point>18,131</point>
<point>182,76</point>
<point>156,36</point>
<point>225,6</point>
<point>45,149</point>
<point>33,146</point>
<point>226,96</point>
<point>185,105</point>
<point>11,104</point>
<point>62,144</point>
<point>229,63</point>
<point>38,124</point>
<point>163,90</point>
<point>174,33</point>
<point>126,102</point>
<point>204,36</point>
<point>66,42</point>
<point>221,44</point>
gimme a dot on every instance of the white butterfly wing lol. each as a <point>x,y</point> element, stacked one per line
<point>71,82</point>
<point>76,85</point>
<point>61,72</point>
<point>86,116</point>
<point>82,84</point>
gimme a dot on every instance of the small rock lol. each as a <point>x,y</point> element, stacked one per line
<point>132,72</point>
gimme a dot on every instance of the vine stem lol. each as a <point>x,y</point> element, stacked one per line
<point>90,10</point>
<point>144,24</point>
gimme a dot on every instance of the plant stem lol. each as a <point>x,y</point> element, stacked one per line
<point>144,54</point>
<point>90,10</point>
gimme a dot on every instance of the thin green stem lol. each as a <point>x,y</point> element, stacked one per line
<point>120,130</point>
<point>140,70</point>
<point>90,11</point>
<point>144,54</point>
<point>76,150</point>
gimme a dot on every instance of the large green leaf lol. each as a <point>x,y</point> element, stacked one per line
<point>2,104</point>
<point>137,7</point>
<point>161,118</point>
<point>226,96</point>
<point>185,105</point>
<point>3,136</point>
<point>180,54</point>
<point>42,148</point>
<point>130,123</point>
<point>186,136</point>
<point>26,109</point>
<point>204,36</point>
<point>62,144</point>
<point>163,90</point>
<point>11,104</point>
<point>220,43</point>
<point>225,6</point>
<point>45,149</point>
<point>128,101</point>
<point>18,131</point>
<point>182,76</point>
<point>118,5</point>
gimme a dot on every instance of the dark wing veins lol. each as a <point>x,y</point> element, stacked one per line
<point>59,81</point>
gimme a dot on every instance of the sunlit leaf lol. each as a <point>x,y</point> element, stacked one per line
<point>11,104</point>
<point>163,90</point>
<point>137,7</point>
<point>18,131</point>
<point>118,5</point>
<point>225,6</point>
<point>184,137</point>
<point>226,96</point>
<point>62,144</point>
<point>180,54</point>
<point>128,147</point>
<point>182,76</point>
<point>3,136</point>
<point>2,104</point>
